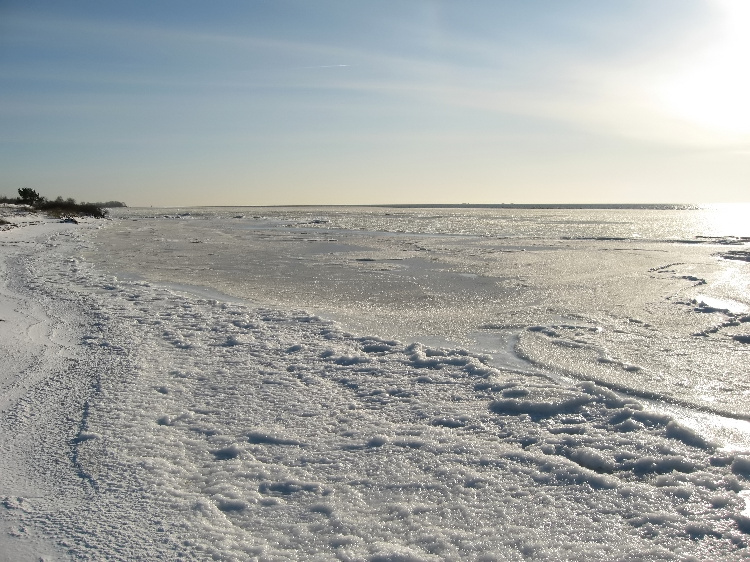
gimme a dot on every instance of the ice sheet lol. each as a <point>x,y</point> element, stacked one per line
<point>238,430</point>
<point>625,312</point>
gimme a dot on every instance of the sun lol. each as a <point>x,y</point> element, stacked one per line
<point>714,88</point>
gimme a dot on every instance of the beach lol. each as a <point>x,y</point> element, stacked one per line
<point>387,384</point>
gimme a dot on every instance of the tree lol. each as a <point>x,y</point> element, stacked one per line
<point>28,195</point>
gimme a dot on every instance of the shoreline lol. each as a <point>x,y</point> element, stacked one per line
<point>39,348</point>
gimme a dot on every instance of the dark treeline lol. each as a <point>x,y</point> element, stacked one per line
<point>59,206</point>
<point>109,204</point>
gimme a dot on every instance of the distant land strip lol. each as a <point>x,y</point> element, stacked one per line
<point>633,206</point>
<point>653,206</point>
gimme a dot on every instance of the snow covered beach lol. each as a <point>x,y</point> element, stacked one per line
<point>174,389</point>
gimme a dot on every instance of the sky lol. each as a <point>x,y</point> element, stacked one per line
<point>284,102</point>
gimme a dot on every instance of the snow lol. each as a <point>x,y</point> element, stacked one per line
<point>36,352</point>
<point>144,421</point>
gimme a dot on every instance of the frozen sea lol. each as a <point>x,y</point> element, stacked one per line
<point>385,384</point>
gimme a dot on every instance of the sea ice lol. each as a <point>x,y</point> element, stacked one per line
<point>185,427</point>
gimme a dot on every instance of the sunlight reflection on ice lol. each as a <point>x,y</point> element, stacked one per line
<point>726,219</point>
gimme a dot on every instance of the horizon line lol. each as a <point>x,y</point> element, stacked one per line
<point>645,206</point>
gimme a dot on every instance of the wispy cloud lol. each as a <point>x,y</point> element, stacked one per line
<point>328,66</point>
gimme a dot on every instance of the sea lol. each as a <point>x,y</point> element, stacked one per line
<point>401,383</point>
<point>653,300</point>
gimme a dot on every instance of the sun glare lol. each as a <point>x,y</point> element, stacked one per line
<point>726,219</point>
<point>714,89</point>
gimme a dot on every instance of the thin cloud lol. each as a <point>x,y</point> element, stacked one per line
<point>328,66</point>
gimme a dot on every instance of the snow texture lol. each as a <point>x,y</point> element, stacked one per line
<point>141,422</point>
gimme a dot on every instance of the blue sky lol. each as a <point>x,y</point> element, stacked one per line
<point>349,102</point>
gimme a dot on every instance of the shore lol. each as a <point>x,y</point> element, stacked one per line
<point>37,421</point>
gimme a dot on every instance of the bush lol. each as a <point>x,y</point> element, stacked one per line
<point>66,207</point>
<point>60,207</point>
